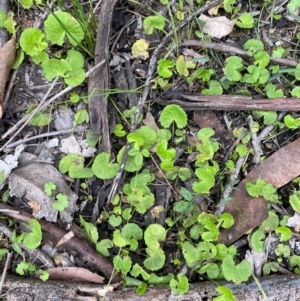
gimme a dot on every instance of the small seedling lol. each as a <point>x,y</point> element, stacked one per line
<point>61,202</point>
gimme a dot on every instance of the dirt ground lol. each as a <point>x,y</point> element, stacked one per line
<point>146,143</point>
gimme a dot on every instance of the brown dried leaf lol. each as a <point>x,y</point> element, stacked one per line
<point>249,212</point>
<point>217,27</point>
<point>73,273</point>
<point>28,181</point>
<point>7,56</point>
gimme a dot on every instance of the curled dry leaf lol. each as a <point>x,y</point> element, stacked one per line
<point>217,27</point>
<point>249,212</point>
<point>7,56</point>
<point>28,181</point>
<point>73,273</point>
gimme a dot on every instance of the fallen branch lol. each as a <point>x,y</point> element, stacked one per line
<point>190,102</point>
<point>276,287</point>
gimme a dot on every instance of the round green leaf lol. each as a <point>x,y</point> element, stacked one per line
<point>61,24</point>
<point>102,168</point>
<point>173,113</point>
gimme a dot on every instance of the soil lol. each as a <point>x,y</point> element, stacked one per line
<point>127,81</point>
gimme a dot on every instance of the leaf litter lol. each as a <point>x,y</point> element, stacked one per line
<point>248,212</point>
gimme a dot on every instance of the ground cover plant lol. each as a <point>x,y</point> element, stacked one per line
<point>174,147</point>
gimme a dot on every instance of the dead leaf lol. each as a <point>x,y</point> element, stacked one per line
<point>10,162</point>
<point>65,238</point>
<point>71,146</point>
<point>150,121</point>
<point>139,49</point>
<point>217,27</point>
<point>249,212</point>
<point>73,273</point>
<point>7,56</point>
<point>208,118</point>
<point>28,181</point>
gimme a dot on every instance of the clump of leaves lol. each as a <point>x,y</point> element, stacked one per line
<point>58,26</point>
<point>261,188</point>
<point>61,200</point>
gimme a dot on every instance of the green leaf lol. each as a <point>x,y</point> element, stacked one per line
<point>245,21</point>
<point>102,168</point>
<point>257,240</point>
<point>53,68</point>
<point>293,5</point>
<point>141,203</point>
<point>76,75</point>
<point>81,116</point>
<point>33,239</point>
<point>270,266</point>
<point>255,190</point>
<point>131,164</point>
<point>272,92</point>
<point>253,74</point>
<point>268,116</point>
<point>278,52</point>
<point>207,180</point>
<point>173,113</point>
<point>49,187</point>
<point>295,202</point>
<point>271,223</point>
<point>148,135</point>
<point>214,88</point>
<point>90,231</point>
<point>212,234</point>
<point>141,288</point>
<point>132,230</point>
<point>153,22</point>
<point>115,221</point>
<point>264,76</point>
<point>291,122</point>
<point>285,233</point>
<point>3,252</point>
<point>122,265</point>
<point>163,68</point>
<point>201,73</point>
<point>103,245</point>
<point>119,130</point>
<point>156,259</point>
<point>253,46</point>
<point>296,92</point>
<point>211,269</point>
<point>43,275</point>
<point>59,25</point>
<point>234,64</point>
<point>25,266</point>
<point>181,286</point>
<point>236,273</point>
<point>118,239</point>
<point>153,234</point>
<point>164,153</point>
<point>62,202</point>
<point>261,59</point>
<point>228,5</point>
<point>226,294</point>
<point>226,220</point>
<point>33,41</point>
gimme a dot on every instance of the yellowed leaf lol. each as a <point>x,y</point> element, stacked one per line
<point>139,49</point>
